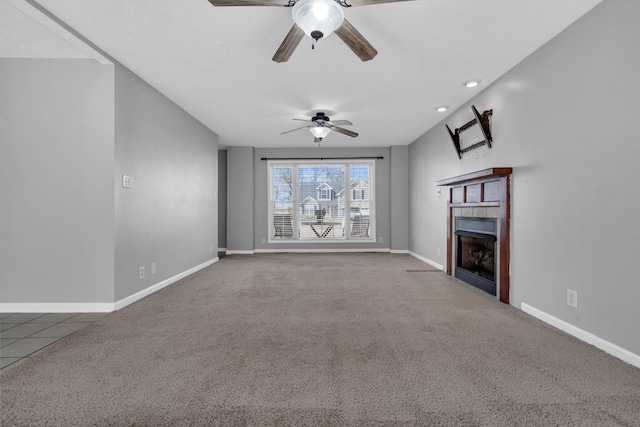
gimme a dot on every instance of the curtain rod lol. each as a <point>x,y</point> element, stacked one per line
<point>321,158</point>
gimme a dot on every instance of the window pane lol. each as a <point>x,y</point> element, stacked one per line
<point>360,206</point>
<point>282,202</point>
<point>317,187</point>
<point>282,185</point>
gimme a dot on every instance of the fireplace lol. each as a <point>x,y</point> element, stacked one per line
<point>478,229</point>
<point>475,252</point>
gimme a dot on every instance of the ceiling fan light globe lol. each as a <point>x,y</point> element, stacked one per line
<point>320,131</point>
<point>318,16</point>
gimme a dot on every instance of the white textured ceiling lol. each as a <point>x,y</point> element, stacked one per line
<point>24,34</point>
<point>215,62</point>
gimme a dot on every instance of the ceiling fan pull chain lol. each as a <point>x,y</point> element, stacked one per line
<point>315,36</point>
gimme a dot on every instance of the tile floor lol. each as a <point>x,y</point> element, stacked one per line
<point>22,335</point>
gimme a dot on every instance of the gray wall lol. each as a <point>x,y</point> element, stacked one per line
<point>399,198</point>
<point>222,199</point>
<point>56,181</point>
<point>70,234</point>
<point>564,119</point>
<point>240,203</point>
<point>169,216</point>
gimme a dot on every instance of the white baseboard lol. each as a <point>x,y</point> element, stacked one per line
<point>88,307</point>
<point>583,335</point>
<point>397,251</point>
<point>56,307</point>
<point>428,261</point>
<point>240,252</point>
<point>316,250</point>
<point>155,288</point>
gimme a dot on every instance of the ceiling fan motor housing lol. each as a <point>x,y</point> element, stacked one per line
<point>320,119</point>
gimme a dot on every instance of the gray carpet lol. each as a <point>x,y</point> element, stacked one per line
<point>320,340</point>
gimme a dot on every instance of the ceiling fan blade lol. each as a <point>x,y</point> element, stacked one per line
<point>356,42</point>
<point>293,130</point>
<point>289,44</point>
<point>341,122</point>
<point>344,131</point>
<point>280,3</point>
<point>366,2</point>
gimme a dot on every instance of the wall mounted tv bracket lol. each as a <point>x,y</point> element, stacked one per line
<point>484,120</point>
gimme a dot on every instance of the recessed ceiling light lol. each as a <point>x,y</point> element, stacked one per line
<point>471,83</point>
<point>442,108</point>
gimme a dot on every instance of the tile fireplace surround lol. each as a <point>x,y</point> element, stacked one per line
<point>482,194</point>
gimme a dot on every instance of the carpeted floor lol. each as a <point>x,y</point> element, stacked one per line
<point>320,340</point>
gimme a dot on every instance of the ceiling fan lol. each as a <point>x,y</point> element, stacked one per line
<point>320,125</point>
<point>317,19</point>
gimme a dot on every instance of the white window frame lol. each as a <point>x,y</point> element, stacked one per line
<point>347,193</point>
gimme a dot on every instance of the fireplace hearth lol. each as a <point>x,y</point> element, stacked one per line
<point>475,252</point>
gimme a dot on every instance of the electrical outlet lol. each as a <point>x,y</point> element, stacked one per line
<point>141,272</point>
<point>153,268</point>
<point>126,181</point>
<point>262,240</point>
<point>438,251</point>
<point>572,298</point>
<point>380,239</point>
<point>210,248</point>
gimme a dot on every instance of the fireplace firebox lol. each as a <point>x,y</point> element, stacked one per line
<point>476,252</point>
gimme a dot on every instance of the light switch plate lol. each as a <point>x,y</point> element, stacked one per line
<point>572,298</point>
<point>126,181</point>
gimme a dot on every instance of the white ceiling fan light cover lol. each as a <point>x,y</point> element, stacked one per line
<point>325,16</point>
<point>320,131</point>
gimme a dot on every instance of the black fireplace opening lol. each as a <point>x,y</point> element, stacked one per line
<point>476,251</point>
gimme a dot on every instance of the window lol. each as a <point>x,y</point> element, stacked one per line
<point>320,202</point>
<point>325,194</point>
